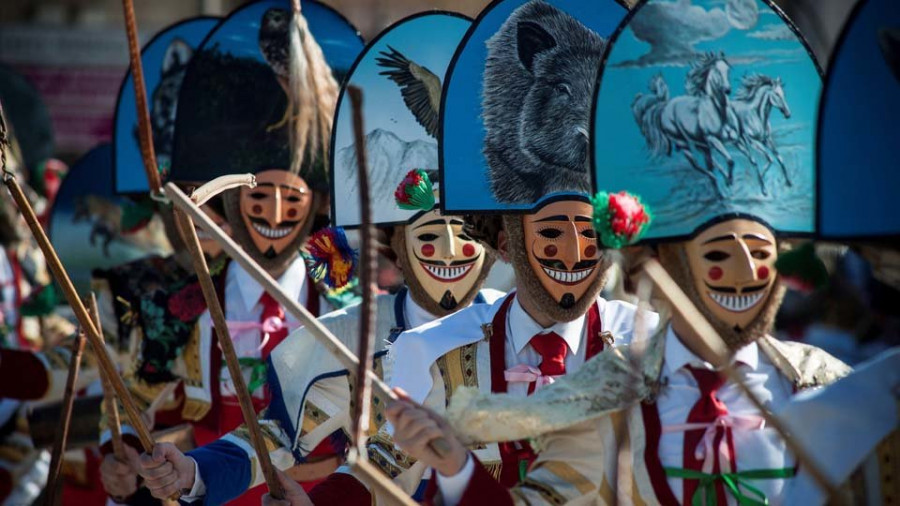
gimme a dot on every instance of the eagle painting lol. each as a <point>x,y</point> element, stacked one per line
<point>421,89</point>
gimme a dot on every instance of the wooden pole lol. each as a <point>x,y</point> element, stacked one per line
<point>62,432</point>
<point>231,359</point>
<point>711,343</point>
<point>368,265</point>
<point>109,397</point>
<point>87,325</point>
<point>145,134</point>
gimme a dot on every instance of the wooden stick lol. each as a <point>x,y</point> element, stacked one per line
<point>145,134</point>
<point>62,431</point>
<point>368,265</point>
<point>81,314</point>
<point>231,359</point>
<point>109,397</point>
<point>710,342</point>
<point>377,480</point>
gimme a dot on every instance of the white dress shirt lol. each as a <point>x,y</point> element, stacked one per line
<point>754,449</point>
<point>242,294</point>
<point>415,314</point>
<point>520,329</point>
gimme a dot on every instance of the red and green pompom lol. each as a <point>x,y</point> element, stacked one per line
<point>619,218</point>
<point>415,192</point>
<point>330,258</point>
<point>802,270</point>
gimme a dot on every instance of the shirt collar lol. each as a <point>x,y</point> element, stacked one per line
<point>521,328</point>
<point>414,314</point>
<point>677,355</point>
<point>292,282</point>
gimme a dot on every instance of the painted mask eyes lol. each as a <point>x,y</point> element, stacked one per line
<point>589,233</point>
<point>716,256</point>
<point>550,233</point>
<point>427,237</point>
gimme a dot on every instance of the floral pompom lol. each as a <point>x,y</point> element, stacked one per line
<point>802,270</point>
<point>330,258</point>
<point>619,218</point>
<point>188,303</point>
<point>415,192</point>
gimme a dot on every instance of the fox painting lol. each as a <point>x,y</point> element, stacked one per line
<point>538,86</point>
<point>164,100</point>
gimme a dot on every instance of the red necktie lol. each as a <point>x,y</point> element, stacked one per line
<point>271,309</point>
<point>706,410</point>
<point>553,349</point>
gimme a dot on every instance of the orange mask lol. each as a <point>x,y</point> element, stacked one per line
<point>562,249</point>
<point>275,211</point>
<point>733,267</point>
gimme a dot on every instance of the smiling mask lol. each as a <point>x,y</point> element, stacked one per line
<point>728,271</point>
<point>555,254</point>
<point>271,220</point>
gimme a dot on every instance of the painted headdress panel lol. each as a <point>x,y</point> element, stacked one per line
<point>165,60</point>
<point>708,110</point>
<point>859,164</point>
<point>516,113</point>
<point>86,226</point>
<point>400,74</point>
<point>234,114</point>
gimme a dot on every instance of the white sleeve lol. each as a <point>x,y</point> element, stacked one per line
<point>453,487</point>
<point>199,489</point>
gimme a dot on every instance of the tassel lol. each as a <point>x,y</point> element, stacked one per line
<point>620,218</point>
<point>415,192</point>
<point>802,270</point>
<point>330,258</point>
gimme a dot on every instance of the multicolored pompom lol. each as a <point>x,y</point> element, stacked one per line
<point>330,258</point>
<point>415,192</point>
<point>802,270</point>
<point>619,218</point>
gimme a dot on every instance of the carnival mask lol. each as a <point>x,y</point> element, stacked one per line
<point>445,261</point>
<point>561,246</point>
<point>274,213</point>
<point>733,268</point>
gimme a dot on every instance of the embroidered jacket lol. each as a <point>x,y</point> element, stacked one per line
<point>604,449</point>
<point>311,404</point>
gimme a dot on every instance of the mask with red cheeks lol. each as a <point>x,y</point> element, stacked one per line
<point>274,213</point>
<point>733,268</point>
<point>562,249</point>
<point>445,261</point>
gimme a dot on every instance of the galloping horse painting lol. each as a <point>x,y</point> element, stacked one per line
<point>708,108</point>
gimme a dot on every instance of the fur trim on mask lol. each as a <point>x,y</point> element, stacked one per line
<point>673,258</point>
<point>417,291</point>
<point>529,286</point>
<point>484,228</point>
<point>274,266</point>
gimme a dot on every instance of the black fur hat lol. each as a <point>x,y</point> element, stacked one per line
<point>227,122</point>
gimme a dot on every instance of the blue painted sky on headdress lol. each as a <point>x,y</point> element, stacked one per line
<point>754,39</point>
<point>429,41</point>
<point>465,180</point>
<point>859,160</point>
<point>239,34</point>
<point>130,176</point>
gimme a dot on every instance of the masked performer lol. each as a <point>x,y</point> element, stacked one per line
<point>444,269</point>
<point>229,105</point>
<point>657,423</point>
<point>555,320</point>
